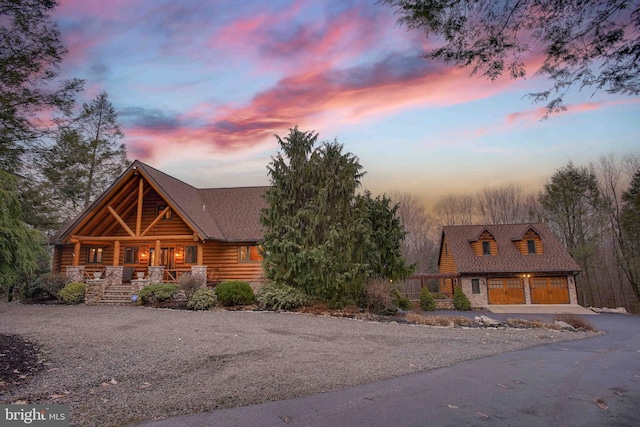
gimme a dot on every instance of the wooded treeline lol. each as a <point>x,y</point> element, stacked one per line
<point>56,155</point>
<point>593,209</point>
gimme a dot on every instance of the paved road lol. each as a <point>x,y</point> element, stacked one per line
<point>594,382</point>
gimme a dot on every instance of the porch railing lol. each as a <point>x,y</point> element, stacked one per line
<point>90,272</point>
<point>173,275</point>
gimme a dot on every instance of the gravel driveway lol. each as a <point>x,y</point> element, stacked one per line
<point>119,365</point>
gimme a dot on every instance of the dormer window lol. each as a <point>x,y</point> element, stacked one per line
<point>531,246</point>
<point>486,248</point>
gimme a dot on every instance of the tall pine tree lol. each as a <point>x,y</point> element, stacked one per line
<point>319,236</point>
<point>85,159</point>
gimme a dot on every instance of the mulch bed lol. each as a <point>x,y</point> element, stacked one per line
<point>19,361</point>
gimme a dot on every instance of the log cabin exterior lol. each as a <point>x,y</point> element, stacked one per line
<point>150,227</point>
<point>507,264</point>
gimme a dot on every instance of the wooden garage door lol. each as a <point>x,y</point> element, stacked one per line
<point>549,290</point>
<point>506,290</point>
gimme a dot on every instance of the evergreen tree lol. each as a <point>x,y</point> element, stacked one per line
<point>85,159</point>
<point>30,51</point>
<point>319,237</point>
<point>21,246</point>
<point>384,248</point>
<point>571,206</point>
<point>630,227</point>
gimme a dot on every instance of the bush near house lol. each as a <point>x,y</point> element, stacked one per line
<point>274,296</point>
<point>157,292</point>
<point>189,285</point>
<point>460,300</point>
<point>378,298</point>
<point>234,292</point>
<point>53,283</point>
<point>73,293</point>
<point>399,300</point>
<point>202,299</point>
<point>427,302</point>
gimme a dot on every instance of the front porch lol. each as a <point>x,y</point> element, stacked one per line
<point>118,284</point>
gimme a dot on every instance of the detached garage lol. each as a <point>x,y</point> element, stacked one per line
<point>549,290</point>
<point>507,264</point>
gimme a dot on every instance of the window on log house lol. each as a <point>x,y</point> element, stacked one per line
<point>94,256</point>
<point>167,215</point>
<point>531,246</point>
<point>486,248</point>
<point>131,255</point>
<point>249,254</point>
<point>191,254</point>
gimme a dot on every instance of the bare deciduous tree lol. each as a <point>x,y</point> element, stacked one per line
<point>502,205</point>
<point>420,244</point>
<point>454,210</point>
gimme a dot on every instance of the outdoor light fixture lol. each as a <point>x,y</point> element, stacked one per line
<point>144,254</point>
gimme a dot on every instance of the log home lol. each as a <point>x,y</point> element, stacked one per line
<point>150,227</point>
<point>507,264</point>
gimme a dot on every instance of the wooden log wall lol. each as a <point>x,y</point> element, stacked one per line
<point>224,258</point>
<point>447,265</point>
<point>173,226</point>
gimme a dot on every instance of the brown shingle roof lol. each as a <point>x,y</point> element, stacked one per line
<point>223,214</point>
<point>509,259</point>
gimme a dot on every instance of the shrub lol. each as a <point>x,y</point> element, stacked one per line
<point>427,302</point>
<point>73,293</point>
<point>202,299</point>
<point>460,300</point>
<point>274,296</point>
<point>234,292</point>
<point>400,300</point>
<point>189,284</point>
<point>378,297</point>
<point>157,292</point>
<point>53,283</point>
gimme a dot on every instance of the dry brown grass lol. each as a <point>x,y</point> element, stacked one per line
<point>438,320</point>
<point>528,324</point>
<point>577,322</point>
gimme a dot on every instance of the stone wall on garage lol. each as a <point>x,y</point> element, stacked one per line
<point>476,300</point>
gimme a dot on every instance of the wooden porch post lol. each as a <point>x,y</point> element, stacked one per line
<point>156,261</point>
<point>116,252</point>
<point>200,253</point>
<point>139,213</point>
<point>76,254</point>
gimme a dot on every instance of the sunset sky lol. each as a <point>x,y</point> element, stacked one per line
<point>202,86</point>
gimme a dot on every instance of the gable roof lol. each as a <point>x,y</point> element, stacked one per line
<point>554,258</point>
<point>222,214</point>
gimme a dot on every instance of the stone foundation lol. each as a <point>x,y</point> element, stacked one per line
<point>200,272</point>
<point>156,273</point>
<point>138,284</point>
<point>75,273</point>
<point>95,290</point>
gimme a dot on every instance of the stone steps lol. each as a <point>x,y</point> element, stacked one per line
<point>116,295</point>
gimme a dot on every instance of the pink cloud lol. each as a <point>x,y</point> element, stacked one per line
<point>314,100</point>
<point>535,115</point>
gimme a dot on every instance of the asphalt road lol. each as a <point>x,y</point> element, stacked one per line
<point>592,382</point>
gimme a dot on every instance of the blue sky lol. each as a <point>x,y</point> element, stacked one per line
<point>202,86</point>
